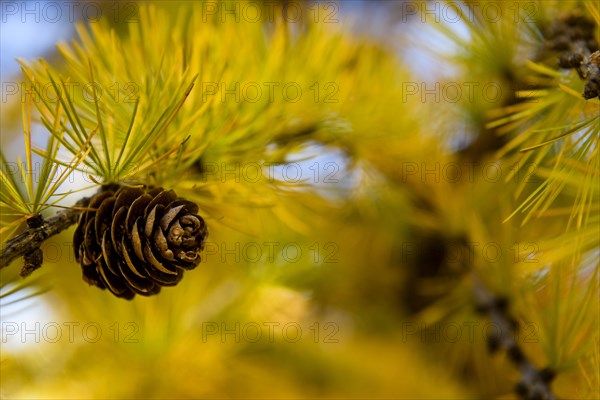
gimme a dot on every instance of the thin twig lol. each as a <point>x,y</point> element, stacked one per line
<point>27,242</point>
<point>535,383</point>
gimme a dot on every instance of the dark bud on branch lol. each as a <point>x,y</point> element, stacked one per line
<point>34,259</point>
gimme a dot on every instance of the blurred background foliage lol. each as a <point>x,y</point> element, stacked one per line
<point>382,289</point>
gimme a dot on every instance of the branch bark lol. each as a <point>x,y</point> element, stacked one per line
<point>27,244</point>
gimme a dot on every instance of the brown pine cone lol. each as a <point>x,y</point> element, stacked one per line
<point>138,240</point>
